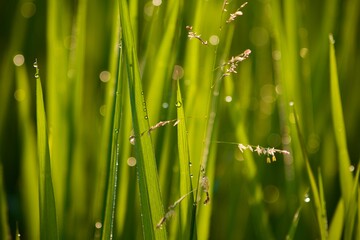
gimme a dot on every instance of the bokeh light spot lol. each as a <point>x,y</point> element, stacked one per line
<point>18,60</point>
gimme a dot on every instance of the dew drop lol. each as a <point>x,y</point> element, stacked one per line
<point>37,75</point>
<point>191,175</point>
<point>132,140</point>
<point>307,198</point>
<point>35,64</point>
<point>178,104</point>
<point>351,168</point>
<point>116,130</point>
<point>190,164</point>
<point>146,116</point>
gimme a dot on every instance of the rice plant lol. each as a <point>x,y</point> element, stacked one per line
<point>179,119</point>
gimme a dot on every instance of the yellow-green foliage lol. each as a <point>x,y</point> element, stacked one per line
<point>179,119</point>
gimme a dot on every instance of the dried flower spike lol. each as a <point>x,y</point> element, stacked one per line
<point>167,216</point>
<point>171,210</point>
<point>237,13</point>
<point>204,186</point>
<point>269,152</point>
<point>226,2</point>
<point>152,128</point>
<point>234,62</point>
<point>192,34</point>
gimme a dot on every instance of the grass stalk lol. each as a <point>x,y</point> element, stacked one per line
<point>187,222</point>
<point>151,202</point>
<point>48,221</point>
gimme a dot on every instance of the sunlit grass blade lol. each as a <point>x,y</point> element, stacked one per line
<point>337,222</point>
<point>158,70</point>
<point>294,225</point>
<point>113,154</point>
<point>316,195</point>
<point>48,222</point>
<point>324,220</point>
<point>29,167</point>
<point>339,128</point>
<point>187,221</point>
<point>151,203</point>
<point>203,225</point>
<point>353,209</point>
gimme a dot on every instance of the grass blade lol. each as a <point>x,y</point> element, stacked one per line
<point>151,202</point>
<point>337,222</point>
<point>294,225</point>
<point>353,209</point>
<point>29,168</point>
<point>320,209</point>
<point>48,223</point>
<point>339,129</point>
<point>109,215</point>
<point>187,222</point>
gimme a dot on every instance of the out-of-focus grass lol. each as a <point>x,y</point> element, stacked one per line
<point>78,48</point>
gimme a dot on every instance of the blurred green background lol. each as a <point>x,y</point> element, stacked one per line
<point>75,43</point>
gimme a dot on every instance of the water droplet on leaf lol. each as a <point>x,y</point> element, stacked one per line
<point>178,104</point>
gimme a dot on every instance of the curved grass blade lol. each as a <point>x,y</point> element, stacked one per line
<point>353,209</point>
<point>187,222</point>
<point>294,225</point>
<point>109,214</point>
<point>339,129</point>
<point>337,222</point>
<point>29,166</point>
<point>150,197</point>
<point>48,222</point>
<point>320,209</point>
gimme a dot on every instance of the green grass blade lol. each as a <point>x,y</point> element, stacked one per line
<point>151,203</point>
<point>29,167</point>
<point>116,112</point>
<point>339,129</point>
<point>294,225</point>
<point>324,220</point>
<point>48,222</point>
<point>353,209</point>
<point>313,186</point>
<point>186,220</point>
<point>163,57</point>
<point>337,222</point>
